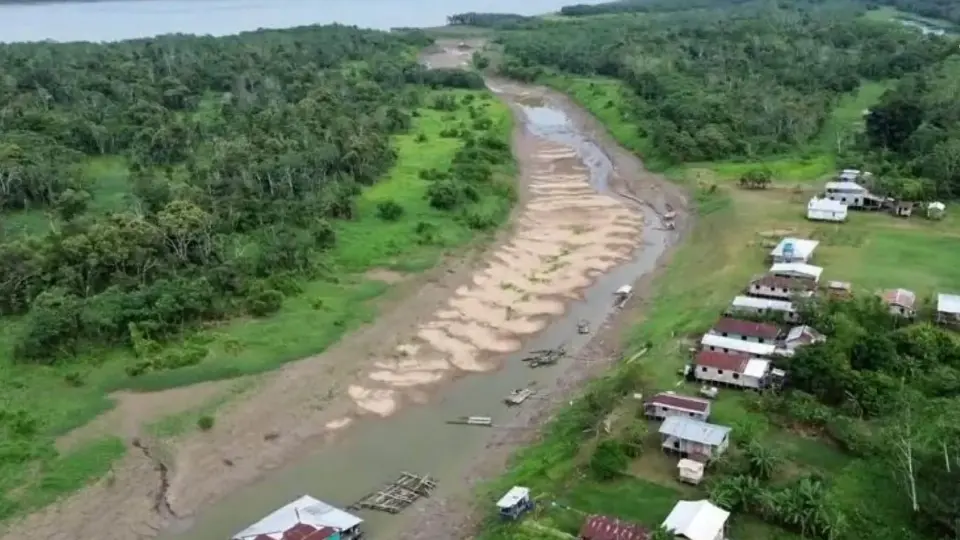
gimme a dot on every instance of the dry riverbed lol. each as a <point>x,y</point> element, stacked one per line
<point>456,320</point>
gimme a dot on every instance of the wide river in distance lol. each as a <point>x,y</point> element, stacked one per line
<point>128,19</point>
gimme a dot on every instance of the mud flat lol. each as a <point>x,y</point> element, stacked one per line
<point>340,424</point>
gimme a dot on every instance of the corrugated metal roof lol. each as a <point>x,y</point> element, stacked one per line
<point>696,520</point>
<point>744,302</point>
<point>756,368</point>
<point>948,303</point>
<point>806,333</point>
<point>802,247</point>
<point>512,497</point>
<point>608,528</point>
<point>305,510</point>
<point>680,402</point>
<point>781,282</point>
<point>719,360</point>
<point>689,429</point>
<point>734,344</point>
<point>797,269</point>
<point>741,327</point>
<point>848,186</point>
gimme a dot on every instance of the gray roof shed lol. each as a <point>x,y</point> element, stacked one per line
<point>697,431</point>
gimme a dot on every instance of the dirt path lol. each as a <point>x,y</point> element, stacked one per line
<point>457,319</point>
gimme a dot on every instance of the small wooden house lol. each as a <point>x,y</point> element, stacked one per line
<point>839,289</point>
<point>302,517</point>
<point>666,404</point>
<point>902,302</point>
<point>690,471</point>
<point>698,440</point>
<point>948,309</point>
<point>798,336</point>
<point>797,270</point>
<point>903,208</point>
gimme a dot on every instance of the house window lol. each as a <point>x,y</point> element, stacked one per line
<point>703,368</point>
<point>760,340</point>
<point>676,445</point>
<point>843,199</point>
<point>719,372</point>
<point>691,414</point>
<point>736,376</point>
<point>724,334</point>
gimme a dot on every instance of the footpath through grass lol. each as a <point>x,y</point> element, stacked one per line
<point>725,249</point>
<point>33,474</point>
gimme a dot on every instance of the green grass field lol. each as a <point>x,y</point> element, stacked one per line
<point>309,322</point>
<point>872,251</point>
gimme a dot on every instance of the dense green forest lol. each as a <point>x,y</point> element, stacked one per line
<point>737,83</point>
<point>915,131</point>
<point>240,151</point>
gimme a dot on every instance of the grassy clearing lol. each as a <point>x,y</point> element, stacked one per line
<point>872,251</point>
<point>307,324</point>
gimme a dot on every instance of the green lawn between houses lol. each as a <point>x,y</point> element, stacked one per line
<point>724,251</point>
<point>308,323</point>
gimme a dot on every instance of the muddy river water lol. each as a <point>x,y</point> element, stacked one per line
<point>417,439</point>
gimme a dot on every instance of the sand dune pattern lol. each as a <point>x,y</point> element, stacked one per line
<point>567,236</point>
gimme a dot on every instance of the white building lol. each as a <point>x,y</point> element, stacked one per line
<point>948,309</point>
<point>797,270</point>
<point>697,520</point>
<point>826,210</point>
<point>303,514</point>
<point>715,343</point>
<point>794,250</point>
<point>762,306</point>
<point>738,370</point>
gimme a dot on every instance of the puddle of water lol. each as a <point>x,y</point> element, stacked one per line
<point>417,438</point>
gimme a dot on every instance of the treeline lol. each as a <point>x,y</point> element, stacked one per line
<point>915,132</point>
<point>241,152</point>
<point>739,82</point>
<point>642,6</point>
<point>492,20</point>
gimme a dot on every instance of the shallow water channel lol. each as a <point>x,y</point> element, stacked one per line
<point>417,439</point>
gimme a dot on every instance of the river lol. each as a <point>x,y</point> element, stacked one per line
<point>117,20</point>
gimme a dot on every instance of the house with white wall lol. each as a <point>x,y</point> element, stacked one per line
<point>697,520</point>
<point>728,345</point>
<point>764,307</point>
<point>797,270</point>
<point>781,288</point>
<point>794,250</point>
<point>826,210</point>
<point>736,369</point>
<point>758,332</point>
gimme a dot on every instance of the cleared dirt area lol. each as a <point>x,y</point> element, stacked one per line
<point>459,318</point>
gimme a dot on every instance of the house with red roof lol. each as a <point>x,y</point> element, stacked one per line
<point>781,288</point>
<point>746,330</point>
<point>666,404</point>
<point>732,369</point>
<point>608,528</point>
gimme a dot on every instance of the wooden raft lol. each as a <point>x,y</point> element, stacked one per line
<point>519,396</point>
<point>397,495</point>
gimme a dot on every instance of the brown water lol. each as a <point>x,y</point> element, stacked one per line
<point>417,439</point>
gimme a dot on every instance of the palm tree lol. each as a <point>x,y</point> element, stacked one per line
<point>763,460</point>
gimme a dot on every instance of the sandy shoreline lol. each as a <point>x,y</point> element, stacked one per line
<point>456,320</point>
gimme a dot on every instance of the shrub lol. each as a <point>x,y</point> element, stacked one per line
<point>609,460</point>
<point>265,302</point>
<point>205,422</point>
<point>389,210</point>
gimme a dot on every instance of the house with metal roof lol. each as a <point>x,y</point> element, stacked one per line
<point>738,369</point>
<point>758,332</point>
<point>902,302</point>
<point>798,336</point>
<point>715,343</point>
<point>948,309</point>
<point>794,250</point>
<point>667,404</point>
<point>695,439</point>
<point>608,528</point>
<point>764,307</point>
<point>797,270</point>
<point>781,288</point>
<point>852,194</point>
<point>697,520</point>
<point>305,512</point>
